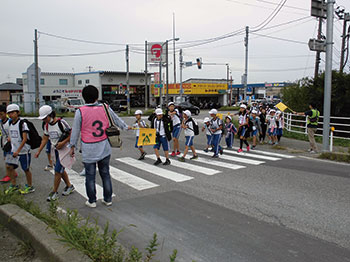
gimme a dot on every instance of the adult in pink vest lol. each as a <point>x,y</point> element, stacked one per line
<point>91,122</point>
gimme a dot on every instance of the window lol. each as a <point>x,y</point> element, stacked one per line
<point>42,81</point>
<point>25,81</point>
<point>87,81</point>
<point>63,82</point>
<point>80,82</point>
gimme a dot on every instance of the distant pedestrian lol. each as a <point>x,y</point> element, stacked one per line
<point>49,167</point>
<point>175,116</point>
<point>263,124</point>
<point>280,125</point>
<point>272,126</point>
<point>208,133</point>
<point>256,128</point>
<point>312,123</point>
<point>91,122</point>
<point>216,127</point>
<point>139,123</point>
<point>230,131</point>
<point>243,132</point>
<point>188,125</point>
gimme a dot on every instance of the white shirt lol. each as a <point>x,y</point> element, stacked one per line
<point>175,117</point>
<point>5,130</point>
<point>242,119</point>
<point>136,125</point>
<point>207,131</point>
<point>214,124</point>
<point>189,131</point>
<point>16,138</point>
<point>271,121</point>
<point>159,126</point>
<point>54,132</point>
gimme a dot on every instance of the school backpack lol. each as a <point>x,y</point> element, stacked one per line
<point>195,126</point>
<point>250,124</point>
<point>34,139</point>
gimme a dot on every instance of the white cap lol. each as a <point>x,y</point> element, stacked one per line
<point>206,119</point>
<point>213,111</point>
<point>243,106</point>
<point>187,113</point>
<point>44,111</point>
<point>278,112</point>
<point>272,110</point>
<point>254,112</point>
<point>12,107</point>
<point>171,103</point>
<point>159,111</point>
<point>138,112</point>
<point>229,117</point>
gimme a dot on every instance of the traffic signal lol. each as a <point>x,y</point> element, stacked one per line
<point>199,63</point>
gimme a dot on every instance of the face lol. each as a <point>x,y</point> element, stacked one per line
<point>185,116</point>
<point>212,115</point>
<point>3,116</point>
<point>228,120</point>
<point>13,115</point>
<point>138,117</point>
<point>241,109</point>
<point>171,107</point>
<point>47,119</point>
<point>159,116</point>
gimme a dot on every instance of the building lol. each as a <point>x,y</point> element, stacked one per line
<point>7,90</point>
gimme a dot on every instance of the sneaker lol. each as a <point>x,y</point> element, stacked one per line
<point>206,150</point>
<point>313,152</point>
<point>167,162</point>
<point>253,147</point>
<point>182,159</point>
<point>27,189</point>
<point>276,143</point>
<point>5,179</point>
<point>178,153</point>
<point>215,156</point>
<point>92,205</point>
<point>68,190</point>
<point>173,154</point>
<point>142,157</point>
<point>53,196</point>
<point>157,162</point>
<point>248,148</point>
<point>309,150</point>
<point>221,151</point>
<point>48,168</point>
<point>194,157</point>
<point>12,189</point>
<point>240,150</point>
<point>106,203</point>
<point>82,173</point>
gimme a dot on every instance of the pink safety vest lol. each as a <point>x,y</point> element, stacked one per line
<point>94,122</point>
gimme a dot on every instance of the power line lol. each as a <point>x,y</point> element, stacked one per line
<point>287,6</point>
<point>61,55</point>
<point>281,39</point>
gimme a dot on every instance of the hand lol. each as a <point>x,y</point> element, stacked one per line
<point>60,145</point>
<point>129,127</point>
<point>15,154</point>
<point>37,154</point>
<point>71,152</point>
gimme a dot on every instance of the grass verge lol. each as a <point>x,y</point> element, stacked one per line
<point>229,108</point>
<point>85,235</point>
<point>340,157</point>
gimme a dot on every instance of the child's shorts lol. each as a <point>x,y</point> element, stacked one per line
<point>189,140</point>
<point>176,131</point>
<point>58,166</point>
<point>255,132</point>
<point>272,131</point>
<point>137,140</point>
<point>209,138</point>
<point>280,132</point>
<point>48,147</point>
<point>162,141</point>
<point>23,160</point>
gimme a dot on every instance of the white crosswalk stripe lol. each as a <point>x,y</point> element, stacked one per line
<point>130,180</point>
<point>254,151</point>
<point>244,154</point>
<point>168,174</point>
<point>218,163</point>
<point>236,159</point>
<point>188,166</point>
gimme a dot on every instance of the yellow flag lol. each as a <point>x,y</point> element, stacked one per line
<point>147,137</point>
<point>219,115</point>
<point>281,106</point>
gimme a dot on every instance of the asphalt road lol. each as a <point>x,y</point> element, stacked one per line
<point>254,207</point>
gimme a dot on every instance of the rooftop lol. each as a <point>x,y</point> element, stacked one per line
<point>10,87</point>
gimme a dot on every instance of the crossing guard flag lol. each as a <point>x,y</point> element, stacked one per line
<point>147,137</point>
<point>281,106</point>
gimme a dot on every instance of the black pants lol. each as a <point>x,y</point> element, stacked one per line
<point>263,133</point>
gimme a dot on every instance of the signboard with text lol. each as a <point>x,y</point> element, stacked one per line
<point>155,52</point>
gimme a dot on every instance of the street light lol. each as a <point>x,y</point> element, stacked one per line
<point>167,71</point>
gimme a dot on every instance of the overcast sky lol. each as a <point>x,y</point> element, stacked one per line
<point>134,21</point>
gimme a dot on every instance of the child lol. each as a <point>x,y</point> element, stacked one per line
<point>139,123</point>
<point>20,151</point>
<point>5,126</point>
<point>272,127</point>
<point>176,119</point>
<point>91,122</point>
<point>243,133</point>
<point>164,127</point>
<point>216,126</point>
<point>54,131</point>
<point>48,152</point>
<point>280,126</point>
<point>230,131</point>
<point>207,132</point>
<point>188,126</point>
<point>256,128</point>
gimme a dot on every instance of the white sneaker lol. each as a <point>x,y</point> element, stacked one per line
<point>107,203</point>
<point>82,173</point>
<point>48,168</point>
<point>68,190</point>
<point>92,205</point>
<point>53,196</point>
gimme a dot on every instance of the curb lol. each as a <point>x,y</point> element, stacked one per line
<point>43,239</point>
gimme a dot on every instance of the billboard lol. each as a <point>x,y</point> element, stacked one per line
<point>155,52</point>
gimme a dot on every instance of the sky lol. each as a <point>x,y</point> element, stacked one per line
<point>117,23</point>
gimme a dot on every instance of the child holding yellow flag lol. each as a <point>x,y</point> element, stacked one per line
<point>139,123</point>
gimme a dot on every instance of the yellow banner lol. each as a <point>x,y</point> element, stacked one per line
<point>219,115</point>
<point>281,106</point>
<point>147,137</point>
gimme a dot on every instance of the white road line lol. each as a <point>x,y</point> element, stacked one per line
<point>162,172</point>
<point>130,180</point>
<point>252,155</point>
<point>267,153</point>
<point>236,159</point>
<point>218,163</point>
<point>191,167</point>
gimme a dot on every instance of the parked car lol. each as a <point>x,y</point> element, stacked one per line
<point>72,104</point>
<point>188,106</point>
<point>119,105</point>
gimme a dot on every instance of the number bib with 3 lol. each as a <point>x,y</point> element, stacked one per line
<point>94,123</point>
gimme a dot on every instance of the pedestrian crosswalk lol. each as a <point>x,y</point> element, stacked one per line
<point>127,169</point>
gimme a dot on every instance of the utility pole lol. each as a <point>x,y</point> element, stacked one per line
<point>181,67</point>
<point>146,78</point>
<point>160,80</point>
<point>37,102</point>
<point>127,78</point>
<point>344,37</point>
<point>246,62</point>
<point>174,48</point>
<point>228,78</point>
<point>328,75</point>
<point>318,53</point>
<point>167,71</point>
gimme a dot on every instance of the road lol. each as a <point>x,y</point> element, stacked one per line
<point>259,206</point>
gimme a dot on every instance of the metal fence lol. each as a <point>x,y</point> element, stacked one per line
<point>298,124</point>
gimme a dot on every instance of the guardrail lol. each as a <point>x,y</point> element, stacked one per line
<point>298,124</point>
